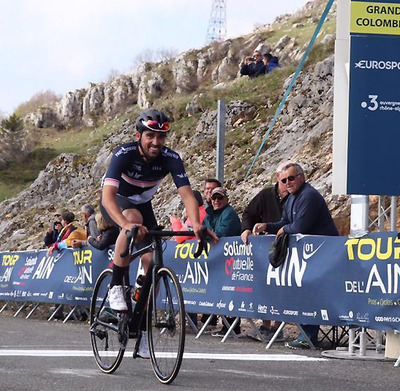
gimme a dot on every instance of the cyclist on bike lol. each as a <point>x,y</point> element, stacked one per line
<point>135,172</point>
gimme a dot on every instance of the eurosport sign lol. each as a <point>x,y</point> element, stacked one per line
<point>324,280</point>
<point>374,101</point>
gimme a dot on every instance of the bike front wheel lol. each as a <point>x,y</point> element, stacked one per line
<point>166,326</point>
<point>105,338</point>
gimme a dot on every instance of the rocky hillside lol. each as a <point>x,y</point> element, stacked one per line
<point>303,132</point>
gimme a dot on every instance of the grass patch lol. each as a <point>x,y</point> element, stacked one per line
<point>50,143</point>
<point>20,174</point>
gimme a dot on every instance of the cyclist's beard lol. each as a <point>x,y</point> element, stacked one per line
<point>146,157</point>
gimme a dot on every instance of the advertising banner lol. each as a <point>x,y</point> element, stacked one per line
<point>374,102</point>
<point>324,280</point>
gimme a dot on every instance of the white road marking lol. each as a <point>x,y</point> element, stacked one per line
<point>195,356</point>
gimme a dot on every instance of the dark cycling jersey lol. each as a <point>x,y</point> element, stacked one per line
<point>138,180</point>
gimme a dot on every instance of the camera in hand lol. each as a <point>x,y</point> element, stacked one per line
<point>252,59</point>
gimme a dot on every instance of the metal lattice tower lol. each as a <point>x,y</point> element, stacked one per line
<point>217,25</point>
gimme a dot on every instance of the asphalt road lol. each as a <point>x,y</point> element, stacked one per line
<point>40,355</point>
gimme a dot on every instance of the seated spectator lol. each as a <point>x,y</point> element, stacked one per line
<point>54,229</point>
<point>224,221</point>
<point>271,62</point>
<point>253,66</point>
<point>108,234</point>
<point>68,233</point>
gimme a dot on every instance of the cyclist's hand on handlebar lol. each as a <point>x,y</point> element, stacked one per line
<point>141,233</point>
<point>213,236</point>
<point>197,232</point>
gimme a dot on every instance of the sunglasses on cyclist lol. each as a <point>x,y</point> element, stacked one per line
<point>155,126</point>
<point>290,178</point>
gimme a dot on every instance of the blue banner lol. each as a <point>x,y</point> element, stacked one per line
<point>374,103</point>
<point>324,280</point>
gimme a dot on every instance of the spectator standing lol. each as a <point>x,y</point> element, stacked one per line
<point>209,185</point>
<point>89,217</point>
<point>54,229</point>
<point>177,225</point>
<point>271,62</point>
<point>307,213</point>
<point>253,66</point>
<point>266,206</point>
<point>68,234</point>
<point>108,234</point>
<point>88,214</point>
<point>224,221</point>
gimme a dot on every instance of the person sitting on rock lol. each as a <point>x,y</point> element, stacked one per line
<point>253,66</point>
<point>271,62</point>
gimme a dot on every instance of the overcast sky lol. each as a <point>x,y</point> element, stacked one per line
<point>62,45</point>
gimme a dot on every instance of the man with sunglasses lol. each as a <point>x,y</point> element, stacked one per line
<point>135,172</point>
<point>253,66</point>
<point>266,206</point>
<point>307,213</point>
<point>222,219</point>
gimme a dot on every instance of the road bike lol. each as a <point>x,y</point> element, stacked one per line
<point>159,309</point>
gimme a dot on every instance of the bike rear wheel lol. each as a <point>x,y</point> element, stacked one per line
<point>108,345</point>
<point>166,326</point>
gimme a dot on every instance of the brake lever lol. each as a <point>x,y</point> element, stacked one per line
<point>131,236</point>
<point>202,245</point>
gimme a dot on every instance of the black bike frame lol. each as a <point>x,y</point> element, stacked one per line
<point>137,314</point>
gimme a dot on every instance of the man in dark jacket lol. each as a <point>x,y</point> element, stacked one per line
<point>266,206</point>
<point>305,213</point>
<point>253,66</point>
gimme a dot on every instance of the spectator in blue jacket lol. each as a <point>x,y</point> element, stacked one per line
<point>306,213</point>
<point>253,66</point>
<point>271,62</point>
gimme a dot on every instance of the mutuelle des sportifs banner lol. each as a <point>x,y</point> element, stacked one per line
<point>324,280</point>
